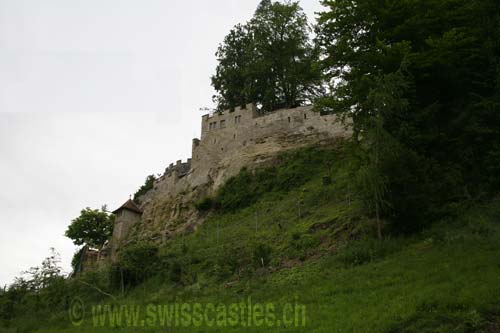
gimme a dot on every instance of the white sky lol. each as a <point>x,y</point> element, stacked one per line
<point>94,96</point>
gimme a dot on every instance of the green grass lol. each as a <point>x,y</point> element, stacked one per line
<point>319,249</point>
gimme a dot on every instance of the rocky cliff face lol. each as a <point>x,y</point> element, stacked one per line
<point>229,141</point>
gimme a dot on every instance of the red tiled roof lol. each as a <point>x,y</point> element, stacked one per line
<point>129,205</point>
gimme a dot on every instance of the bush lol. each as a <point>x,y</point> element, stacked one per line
<point>366,250</point>
<point>262,254</point>
<point>176,272</point>
<point>301,245</point>
<point>137,262</point>
<point>204,204</point>
<point>237,192</point>
<point>76,260</point>
<point>479,224</point>
<point>171,264</point>
<point>148,185</point>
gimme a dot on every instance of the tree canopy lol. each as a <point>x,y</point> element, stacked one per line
<point>438,63</point>
<point>93,227</point>
<point>269,60</point>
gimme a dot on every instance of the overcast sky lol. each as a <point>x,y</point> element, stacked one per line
<point>94,96</point>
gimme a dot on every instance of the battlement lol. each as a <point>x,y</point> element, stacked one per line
<point>228,119</point>
<point>178,169</point>
<point>250,107</point>
<point>225,136</point>
<point>228,139</point>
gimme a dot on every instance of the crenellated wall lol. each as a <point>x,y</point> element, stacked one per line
<point>232,135</point>
<point>228,142</point>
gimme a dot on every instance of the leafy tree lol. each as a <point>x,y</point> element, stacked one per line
<point>232,80</point>
<point>41,277</point>
<point>285,59</point>
<point>448,134</point>
<point>270,60</point>
<point>38,292</point>
<point>93,227</point>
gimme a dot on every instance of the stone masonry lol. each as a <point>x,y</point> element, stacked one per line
<point>229,136</point>
<point>229,141</point>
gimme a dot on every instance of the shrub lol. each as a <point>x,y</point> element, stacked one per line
<point>137,262</point>
<point>205,204</point>
<point>176,272</point>
<point>479,224</point>
<point>237,192</point>
<point>366,250</point>
<point>76,260</point>
<point>227,262</point>
<point>301,245</point>
<point>148,185</point>
<point>262,254</point>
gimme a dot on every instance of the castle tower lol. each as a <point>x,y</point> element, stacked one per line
<point>126,216</point>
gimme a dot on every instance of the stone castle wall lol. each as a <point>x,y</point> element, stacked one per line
<point>228,142</point>
<point>230,135</point>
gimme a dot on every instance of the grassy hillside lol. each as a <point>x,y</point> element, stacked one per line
<point>296,233</point>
